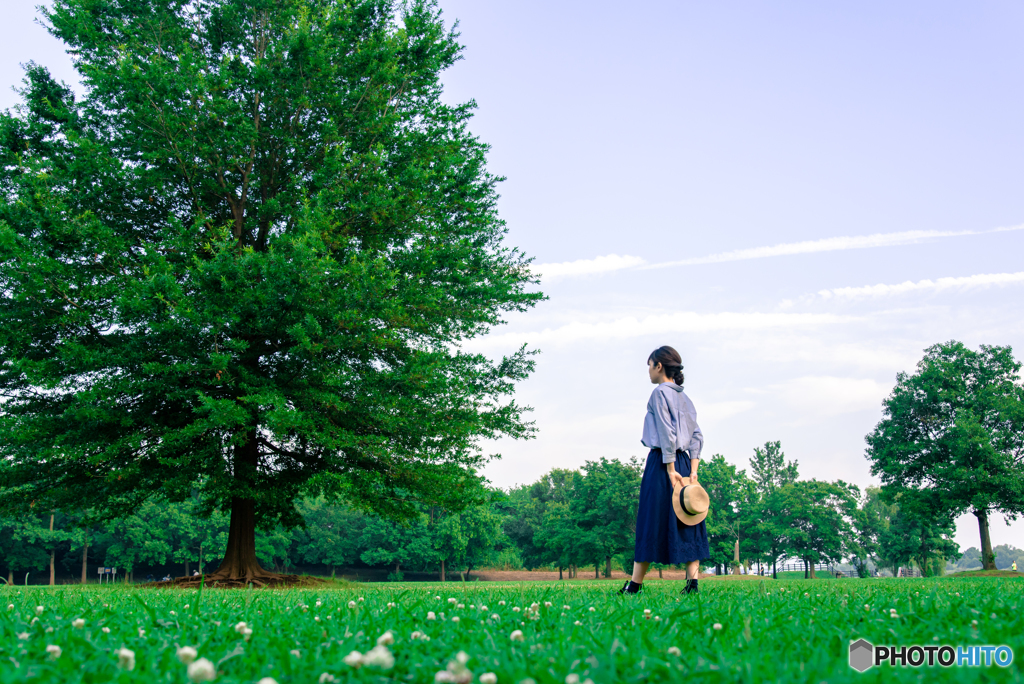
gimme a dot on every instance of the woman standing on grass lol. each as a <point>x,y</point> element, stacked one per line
<point>675,441</point>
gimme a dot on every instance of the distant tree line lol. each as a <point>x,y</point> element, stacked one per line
<point>568,519</point>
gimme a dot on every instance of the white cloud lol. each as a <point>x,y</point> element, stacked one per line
<point>809,397</point>
<point>721,410</point>
<point>601,264</point>
<point>938,285</point>
<point>682,322</point>
<point>830,245</point>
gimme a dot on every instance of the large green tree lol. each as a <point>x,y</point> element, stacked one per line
<point>954,430</point>
<point>245,262</point>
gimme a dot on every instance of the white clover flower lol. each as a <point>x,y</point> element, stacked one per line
<point>326,678</point>
<point>353,659</point>
<point>806,594</point>
<point>142,632</point>
<point>240,627</point>
<point>462,657</point>
<point>591,609</point>
<point>455,618</point>
<point>867,607</point>
<point>379,656</point>
<point>517,635</point>
<point>10,606</point>
<point>267,680</point>
<point>39,610</point>
<point>316,618</point>
<point>187,654</point>
<point>126,659</point>
<point>105,630</point>
<point>34,621</point>
<point>430,615</point>
<point>23,635</point>
<point>974,623</point>
<point>452,600</point>
<point>416,635</point>
<point>488,678</point>
<point>185,607</point>
<point>438,598</point>
<point>993,616</point>
<point>572,678</point>
<point>647,611</point>
<point>318,604</point>
<point>49,630</point>
<point>296,652</point>
<point>565,608</point>
<point>460,606</point>
<point>577,623</point>
<point>78,623</point>
<point>351,604</point>
<point>202,670</point>
<point>391,604</point>
<point>53,651</point>
<point>515,609</point>
<point>717,626</point>
<point>501,603</point>
<point>443,677</point>
<point>657,618</point>
<point>361,599</point>
<point>386,639</point>
<point>674,651</point>
<point>495,616</point>
<point>547,604</point>
<point>483,608</point>
<point>472,606</point>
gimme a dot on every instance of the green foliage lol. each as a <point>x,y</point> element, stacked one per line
<point>952,434</point>
<point>243,263</point>
<point>781,631</point>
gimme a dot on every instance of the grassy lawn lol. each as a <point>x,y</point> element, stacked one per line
<point>783,631</point>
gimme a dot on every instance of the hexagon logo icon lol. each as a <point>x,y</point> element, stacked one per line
<point>861,655</point>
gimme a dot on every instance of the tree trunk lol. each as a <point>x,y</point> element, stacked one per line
<point>660,576</point>
<point>186,569</point>
<point>806,573</point>
<point>736,558</point>
<point>597,571</point>
<point>607,566</point>
<point>53,553</point>
<point>85,564</point>
<point>442,570</point>
<point>988,560</point>
<point>559,572</point>
<point>812,571</point>
<point>775,574</point>
<point>240,564</point>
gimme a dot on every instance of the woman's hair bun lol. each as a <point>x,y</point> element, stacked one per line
<point>671,361</point>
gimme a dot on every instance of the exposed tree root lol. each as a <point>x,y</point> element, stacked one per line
<point>223,581</point>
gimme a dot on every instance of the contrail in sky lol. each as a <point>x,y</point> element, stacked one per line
<point>832,244</point>
<point>614,262</point>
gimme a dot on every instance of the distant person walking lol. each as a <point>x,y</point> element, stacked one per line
<point>1014,566</point>
<point>670,525</point>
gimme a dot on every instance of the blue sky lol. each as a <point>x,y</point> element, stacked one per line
<point>798,196</point>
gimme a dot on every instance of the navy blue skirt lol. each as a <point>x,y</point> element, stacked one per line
<point>660,536</point>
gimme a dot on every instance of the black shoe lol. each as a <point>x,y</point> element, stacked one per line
<point>631,587</point>
<point>691,587</point>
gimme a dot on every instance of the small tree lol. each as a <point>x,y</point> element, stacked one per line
<point>955,431</point>
<point>770,473</point>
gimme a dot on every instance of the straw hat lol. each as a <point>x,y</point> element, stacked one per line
<point>690,502</point>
